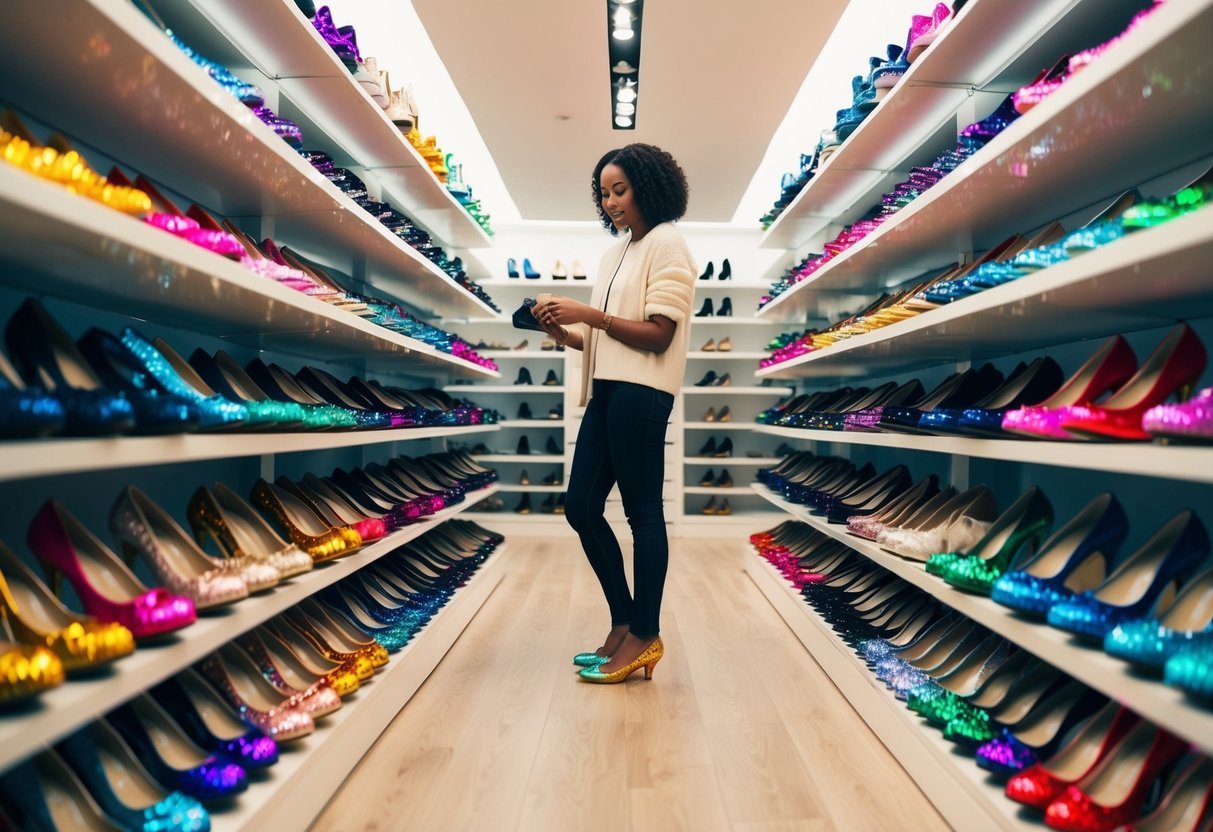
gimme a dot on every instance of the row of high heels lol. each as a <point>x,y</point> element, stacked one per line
<point>1083,760</point>
<point>105,384</point>
<point>1152,607</point>
<point>1111,396</point>
<point>1014,258</point>
<point>295,525</point>
<point>58,162</point>
<point>160,760</point>
<point>972,138</point>
<point>866,92</point>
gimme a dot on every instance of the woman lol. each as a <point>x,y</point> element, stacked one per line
<point>633,336</point>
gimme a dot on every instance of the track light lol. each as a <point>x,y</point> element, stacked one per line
<point>625,109</point>
<point>623,121</point>
<point>626,94</point>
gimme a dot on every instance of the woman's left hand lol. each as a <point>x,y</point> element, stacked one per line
<point>562,311</point>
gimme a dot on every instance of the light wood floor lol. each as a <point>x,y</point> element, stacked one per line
<point>738,730</point>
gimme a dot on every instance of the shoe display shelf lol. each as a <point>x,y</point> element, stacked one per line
<point>726,461</point>
<point>182,129</point>
<point>1148,696</point>
<point>532,389</point>
<point>300,785</point>
<point>718,425</point>
<point>272,45</point>
<point>730,320</point>
<point>1110,127</point>
<point>62,710</point>
<point>62,244</point>
<point>531,354</point>
<point>990,47</point>
<point>537,458</point>
<point>54,457</point>
<point>960,791</point>
<point>1098,293</point>
<point>1185,463</point>
<point>726,355</point>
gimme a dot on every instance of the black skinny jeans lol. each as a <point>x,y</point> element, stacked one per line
<point>622,439</point>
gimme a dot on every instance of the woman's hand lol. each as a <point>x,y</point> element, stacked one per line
<point>557,310</point>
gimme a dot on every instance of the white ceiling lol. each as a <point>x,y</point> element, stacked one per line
<point>717,79</point>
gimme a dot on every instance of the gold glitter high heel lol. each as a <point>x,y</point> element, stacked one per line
<point>25,669</point>
<point>35,616</point>
<point>647,659</point>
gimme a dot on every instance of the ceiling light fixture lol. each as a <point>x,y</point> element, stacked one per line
<point>623,21</point>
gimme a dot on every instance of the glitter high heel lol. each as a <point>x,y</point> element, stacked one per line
<point>36,616</point>
<point>211,723</point>
<point>1186,623</point>
<point>321,541</point>
<point>237,679</point>
<point>241,534</point>
<point>647,659</point>
<point>106,587</point>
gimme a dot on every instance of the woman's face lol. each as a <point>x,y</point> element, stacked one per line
<point>619,200</point>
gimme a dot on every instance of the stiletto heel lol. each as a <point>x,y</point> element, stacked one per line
<point>107,589</point>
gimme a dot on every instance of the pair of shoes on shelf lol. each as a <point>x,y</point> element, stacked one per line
<point>721,451</point>
<point>711,480</point>
<point>725,345</point>
<point>723,311</point>
<point>710,379</point>
<point>725,415</point>
<point>726,270</point>
<point>551,448</point>
<point>524,377</point>
<point>715,509</point>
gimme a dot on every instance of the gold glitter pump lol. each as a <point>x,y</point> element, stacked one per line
<point>647,659</point>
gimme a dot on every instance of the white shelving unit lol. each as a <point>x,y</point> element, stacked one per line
<point>738,390</point>
<point>1174,462</point>
<point>80,701</point>
<point>536,458</point>
<point>727,355</point>
<point>46,457</point>
<point>1095,294</point>
<point>533,389</point>
<point>995,45</point>
<point>1070,154</point>
<point>320,94</point>
<point>60,243</point>
<point>1150,698</point>
<point>958,789</point>
<point>301,783</point>
<point>269,179</point>
<point>1025,177</point>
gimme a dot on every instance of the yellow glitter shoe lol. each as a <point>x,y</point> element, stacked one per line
<point>647,659</point>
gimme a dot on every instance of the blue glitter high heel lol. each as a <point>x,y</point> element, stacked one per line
<point>590,659</point>
<point>42,792</point>
<point>1187,622</point>
<point>1073,560</point>
<point>43,352</point>
<point>217,412</point>
<point>211,723</point>
<point>26,410</point>
<point>1170,553</point>
<point>157,411</point>
<point>1191,670</point>
<point>192,770</point>
<point>391,636</point>
<point>102,760</point>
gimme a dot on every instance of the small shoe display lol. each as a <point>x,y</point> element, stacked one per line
<point>708,479</point>
<point>551,448</point>
<point>551,380</point>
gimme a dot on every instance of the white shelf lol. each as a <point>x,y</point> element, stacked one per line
<point>504,388</point>
<point>298,787</point>
<point>1173,462</point>
<point>728,355</point>
<point>508,514</point>
<point>733,460</point>
<point>497,355</point>
<point>58,712</point>
<point>321,95</point>
<point>542,283</point>
<point>718,425</point>
<point>66,245</point>
<point>737,390</point>
<point>550,424</point>
<point>963,793</point>
<point>1149,697</point>
<point>990,44</point>
<point>1027,175</point>
<point>730,491</point>
<point>729,320</point>
<point>538,458</point>
<point>537,489</point>
<point>1095,294</point>
<point>741,518</point>
<point>49,457</point>
<point>201,140</point>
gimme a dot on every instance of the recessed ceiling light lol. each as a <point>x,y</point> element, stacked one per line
<point>623,121</point>
<point>623,68</point>
<point>623,34</point>
<point>626,94</point>
<point>625,109</point>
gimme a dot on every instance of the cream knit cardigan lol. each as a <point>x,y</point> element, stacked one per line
<point>657,277</point>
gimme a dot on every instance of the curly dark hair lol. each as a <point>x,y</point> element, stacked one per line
<point>657,179</point>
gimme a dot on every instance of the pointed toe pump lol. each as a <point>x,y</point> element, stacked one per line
<point>647,659</point>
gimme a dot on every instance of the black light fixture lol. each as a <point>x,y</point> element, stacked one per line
<point>623,49</point>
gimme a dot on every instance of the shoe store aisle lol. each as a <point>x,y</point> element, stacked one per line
<point>739,729</point>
